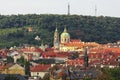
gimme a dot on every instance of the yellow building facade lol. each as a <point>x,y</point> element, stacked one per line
<point>14,69</point>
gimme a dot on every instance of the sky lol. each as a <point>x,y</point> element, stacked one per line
<point>77,7</point>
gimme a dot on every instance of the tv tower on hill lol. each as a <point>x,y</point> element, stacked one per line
<point>95,10</point>
<point>68,9</point>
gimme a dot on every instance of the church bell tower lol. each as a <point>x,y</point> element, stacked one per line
<point>56,41</point>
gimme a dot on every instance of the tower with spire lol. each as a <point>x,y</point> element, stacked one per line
<point>85,58</point>
<point>68,9</point>
<point>95,10</point>
<point>42,46</point>
<point>56,41</point>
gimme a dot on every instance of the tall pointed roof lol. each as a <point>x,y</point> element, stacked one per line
<point>68,9</point>
<point>65,34</point>
<point>65,30</point>
<point>56,29</point>
<point>85,54</point>
<point>86,58</point>
<point>42,43</point>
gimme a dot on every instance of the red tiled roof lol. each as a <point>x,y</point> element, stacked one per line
<point>76,61</point>
<point>54,54</point>
<point>74,44</point>
<point>106,50</point>
<point>31,49</point>
<point>81,44</point>
<point>4,66</point>
<point>106,56</point>
<point>75,40</point>
<point>49,49</point>
<point>3,53</point>
<point>40,67</point>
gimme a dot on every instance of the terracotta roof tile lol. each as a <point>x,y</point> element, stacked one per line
<point>39,68</point>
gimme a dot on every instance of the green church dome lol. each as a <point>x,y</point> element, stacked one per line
<point>65,34</point>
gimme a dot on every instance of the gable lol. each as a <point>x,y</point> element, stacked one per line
<point>16,66</point>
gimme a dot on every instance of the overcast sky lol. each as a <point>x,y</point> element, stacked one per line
<point>80,7</point>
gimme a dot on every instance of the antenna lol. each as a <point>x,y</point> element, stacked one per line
<point>95,10</point>
<point>68,9</point>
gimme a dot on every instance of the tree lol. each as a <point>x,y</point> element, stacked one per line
<point>75,55</point>
<point>27,68</point>
<point>10,59</point>
<point>87,28</point>
<point>46,77</point>
<point>10,77</point>
<point>87,79</point>
<point>22,60</point>
<point>63,75</point>
<point>104,76</point>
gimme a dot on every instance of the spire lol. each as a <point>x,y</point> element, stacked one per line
<point>42,43</point>
<point>65,30</point>
<point>42,46</point>
<point>85,58</point>
<point>85,52</point>
<point>56,29</point>
<point>68,9</point>
<point>95,10</point>
<point>56,40</point>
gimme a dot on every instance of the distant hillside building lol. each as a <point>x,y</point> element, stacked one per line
<point>30,29</point>
<point>66,44</point>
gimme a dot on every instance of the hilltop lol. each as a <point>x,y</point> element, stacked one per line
<point>14,28</point>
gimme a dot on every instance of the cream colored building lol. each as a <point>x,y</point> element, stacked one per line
<point>40,74</point>
<point>39,70</point>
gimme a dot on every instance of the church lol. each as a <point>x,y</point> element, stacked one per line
<point>63,43</point>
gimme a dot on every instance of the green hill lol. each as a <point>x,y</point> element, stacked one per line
<point>13,28</point>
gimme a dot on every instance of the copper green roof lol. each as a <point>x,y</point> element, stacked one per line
<point>65,33</point>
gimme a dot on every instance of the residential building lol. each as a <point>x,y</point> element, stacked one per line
<point>39,70</point>
<point>12,69</point>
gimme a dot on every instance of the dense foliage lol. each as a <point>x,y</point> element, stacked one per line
<point>109,74</point>
<point>13,28</point>
<point>10,77</point>
<point>10,59</point>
